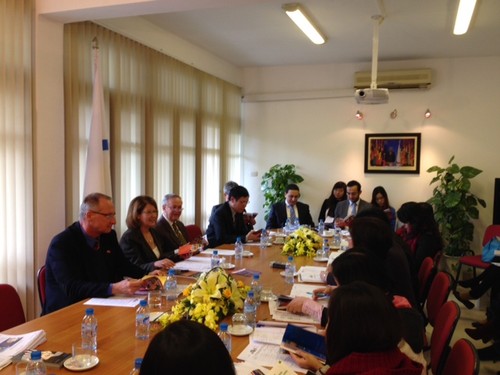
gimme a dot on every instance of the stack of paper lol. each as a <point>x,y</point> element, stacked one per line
<point>311,274</point>
<point>198,264</point>
<point>11,345</point>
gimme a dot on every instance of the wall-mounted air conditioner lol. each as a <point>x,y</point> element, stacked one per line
<point>395,79</point>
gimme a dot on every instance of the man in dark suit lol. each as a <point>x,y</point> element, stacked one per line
<point>249,219</point>
<point>170,228</point>
<point>227,223</point>
<point>227,188</point>
<point>347,210</point>
<point>85,260</point>
<point>289,209</point>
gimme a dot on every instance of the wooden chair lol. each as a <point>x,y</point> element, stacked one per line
<point>444,326</point>
<point>462,360</point>
<point>473,260</point>
<point>11,313</point>
<point>41,280</point>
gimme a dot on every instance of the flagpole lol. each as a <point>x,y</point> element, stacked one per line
<point>97,169</point>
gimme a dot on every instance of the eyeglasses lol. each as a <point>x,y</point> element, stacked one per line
<point>154,212</point>
<point>110,216</point>
<point>176,208</point>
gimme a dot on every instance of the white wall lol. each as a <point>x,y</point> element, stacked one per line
<point>325,141</point>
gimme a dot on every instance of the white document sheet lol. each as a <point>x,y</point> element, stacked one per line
<point>11,345</point>
<point>114,302</point>
<point>311,274</point>
<point>285,316</point>
<point>268,335</point>
<point>267,355</point>
<point>223,252</point>
<point>197,264</point>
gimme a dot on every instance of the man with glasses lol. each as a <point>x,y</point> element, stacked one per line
<point>227,222</point>
<point>85,260</point>
<point>171,229</point>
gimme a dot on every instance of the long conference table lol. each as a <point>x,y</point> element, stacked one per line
<point>117,345</point>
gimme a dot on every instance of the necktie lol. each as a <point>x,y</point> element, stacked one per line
<point>178,233</point>
<point>293,217</point>
<point>353,212</point>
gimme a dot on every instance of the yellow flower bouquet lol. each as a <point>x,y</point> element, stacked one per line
<point>303,241</point>
<point>212,297</point>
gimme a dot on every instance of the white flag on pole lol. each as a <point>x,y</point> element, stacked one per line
<point>97,169</point>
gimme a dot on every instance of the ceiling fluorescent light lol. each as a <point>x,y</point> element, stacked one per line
<point>297,15</point>
<point>464,15</point>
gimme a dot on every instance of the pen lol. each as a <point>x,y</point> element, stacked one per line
<point>319,295</point>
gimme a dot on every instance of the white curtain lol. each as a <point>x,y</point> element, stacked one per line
<point>16,181</point>
<point>173,129</point>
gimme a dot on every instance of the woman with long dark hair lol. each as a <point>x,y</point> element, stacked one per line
<point>420,230</point>
<point>328,207</point>
<point>362,335</point>
<point>381,200</point>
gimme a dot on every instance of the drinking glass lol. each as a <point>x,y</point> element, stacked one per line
<point>239,320</point>
<point>82,356</point>
<point>21,368</point>
<point>154,299</point>
<point>267,294</point>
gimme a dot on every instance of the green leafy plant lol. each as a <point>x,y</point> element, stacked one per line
<point>454,205</point>
<point>274,183</point>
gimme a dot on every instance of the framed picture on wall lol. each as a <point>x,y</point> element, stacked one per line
<point>392,153</point>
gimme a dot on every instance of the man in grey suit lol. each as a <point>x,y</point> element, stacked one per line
<point>347,210</point>
<point>171,229</point>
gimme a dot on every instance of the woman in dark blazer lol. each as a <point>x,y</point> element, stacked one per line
<point>327,212</point>
<point>140,243</point>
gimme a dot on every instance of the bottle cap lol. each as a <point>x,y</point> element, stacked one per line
<point>138,363</point>
<point>89,311</point>
<point>216,252</point>
<point>256,276</point>
<point>250,294</point>
<point>238,239</point>
<point>143,302</point>
<point>171,272</point>
<point>223,327</point>
<point>36,355</point>
<point>290,258</point>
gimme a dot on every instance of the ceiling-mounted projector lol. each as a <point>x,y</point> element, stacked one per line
<point>372,96</point>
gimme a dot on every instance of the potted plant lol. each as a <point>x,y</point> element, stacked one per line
<point>455,206</point>
<point>274,183</point>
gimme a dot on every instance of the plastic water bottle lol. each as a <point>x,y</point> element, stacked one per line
<point>215,261</point>
<point>264,239</point>
<point>89,330</point>
<point>171,286</point>
<point>250,309</point>
<point>326,248</point>
<point>238,249</point>
<point>321,227</point>
<point>336,238</point>
<point>290,271</point>
<point>35,365</point>
<point>256,288</point>
<point>137,367</point>
<point>142,321</point>
<point>225,336</point>
<point>287,228</point>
